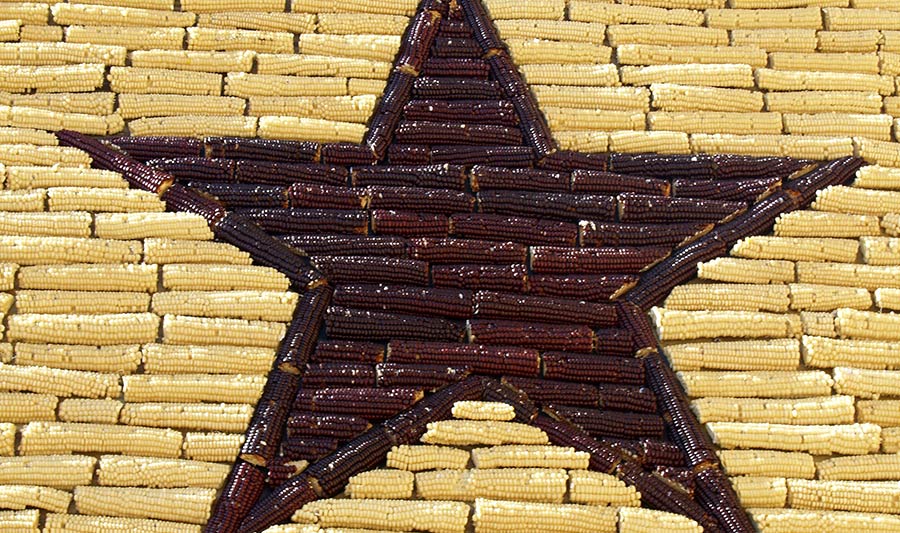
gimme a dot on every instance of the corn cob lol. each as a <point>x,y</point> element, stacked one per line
<point>776,39</point>
<point>760,384</point>
<point>653,54</point>
<point>856,496</point>
<point>550,29</point>
<point>797,249</point>
<point>867,325</point>
<point>880,251</point>
<point>887,299</point>
<point>854,275</point>
<point>876,127</point>
<point>203,417</point>
<point>234,332</point>
<point>877,152</point>
<point>56,471</point>
<point>192,388</point>
<point>632,14</point>
<point>823,102</point>
<point>6,354</point>
<point>357,109</point>
<point>169,359</point>
<point>380,403</point>
<point>806,411</point>
<point>42,438</point>
<point>746,271</point>
<point>65,523</point>
<point>417,458</point>
<point>437,517</point>
<point>221,447</point>
<point>521,484</point>
<point>104,411</point>
<point>833,520</point>
<point>679,325</point>
<point>22,408</point>
<point>596,488</point>
<point>474,410</point>
<point>865,383</point>
<point>81,14</point>
<point>40,33</point>
<point>494,516</point>
<point>382,484</point>
<point>579,75</point>
<point>858,468</point>
<point>7,439</point>
<point>39,177</point>
<point>822,224</point>
<point>27,136</point>
<point>681,98</point>
<point>126,471</point>
<point>222,278</point>
<point>780,354</point>
<point>529,457</point>
<point>826,353</point>
<point>777,80</point>
<point>881,412</point>
<point>121,359</point>
<point>767,463</point>
<point>890,440</point>
<point>735,297</point>
<point>28,250</point>
<point>102,200</point>
<point>150,105</point>
<point>760,491</point>
<point>195,126</point>
<point>470,432</point>
<point>819,440</point>
<point>21,521</point>
<point>737,76</point>
<point>101,330</point>
<point>73,224</point>
<point>271,306</point>
<point>43,380</point>
<point>185,505</point>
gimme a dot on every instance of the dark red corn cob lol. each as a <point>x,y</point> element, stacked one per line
<point>759,219</point>
<point>437,251</point>
<point>456,47</point>
<point>573,338</point>
<point>730,166</point>
<point>456,133</point>
<point>481,25</point>
<point>531,231</point>
<point>615,342</point>
<point>408,426</point>
<point>397,92</point>
<point>500,112</point>
<point>626,398</point>
<point>104,157</point>
<point>347,245</point>
<point>343,323</point>
<point>633,319</point>
<point>279,505</point>
<point>745,190</point>
<point>586,287</point>
<point>664,166</point>
<point>659,452</point>
<point>440,6</point>
<point>489,277</point>
<point>244,486</point>
<point>452,303</point>
<point>280,386</point>
<point>592,368</point>
<point>306,424</point>
<point>418,39</point>
<point>558,206</point>
<point>326,196</point>
<point>420,199</point>
<point>368,403</point>
<point>382,128</point>
<point>611,183</point>
<point>644,208</point>
<point>282,470</point>
<point>320,375</point>
<point>616,424</point>
<point>308,448</point>
<point>243,195</point>
<point>509,156</point>
<point>409,154</point>
<point>562,433</point>
<point>714,492</point>
<point>262,149</point>
<point>333,350</point>
<point>489,304</point>
<point>303,331</point>
<point>616,234</point>
<point>427,377</point>
<point>631,260</point>
<point>145,148</point>
<point>180,198</point>
<point>456,67</point>
<point>497,391</point>
<point>535,130</point>
<point>565,160</point>
<point>264,432</point>
<point>835,172</point>
<point>487,178</point>
<point>491,360</point>
<point>277,173</point>
<point>352,268</point>
<point>732,518</point>
<point>344,154</point>
<point>449,176</point>
<point>453,25</point>
<point>266,250</point>
<point>455,88</point>
<point>309,220</point>
<point>409,224</point>
<point>547,390</point>
<point>196,168</point>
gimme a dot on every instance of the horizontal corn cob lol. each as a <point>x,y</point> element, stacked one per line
<point>220,447</point>
<point>416,458</point>
<point>654,54</point>
<point>819,440</point>
<point>250,20</point>
<point>192,388</point>
<point>597,488</point>
<point>767,463</point>
<point>137,278</point>
<point>23,200</point>
<point>163,81</point>
<point>794,519</point>
<point>470,432</point>
<point>371,47</point>
<point>729,296</point>
<point>152,105</point>
<point>66,523</point>
<point>637,519</point>
<point>867,325</point>
<point>190,505</point>
<point>472,410</point>
<point>298,128</point>
<point>746,271</point>
<point>517,456</point>
<point>349,24</point>
<point>22,496</point>
<point>273,42</point>
<point>193,60</point>
<point>662,142</point>
<point>760,491</point>
<point>29,177</point>
<point>823,102</point>
<point>21,521</point>
<point>844,62</point>
<point>197,126</point>
<point>887,299</point>
<point>382,484</point>
<point>759,384</point>
<point>880,251</point>
<point>876,127</point>
<point>565,30</point>
<point>865,383</point>
<point>181,277</point>
<point>27,136</point>
<point>102,200</point>
<point>776,40</point>
<point>333,108</point>
<point>859,496</point>
<point>125,471</point>
<point>437,517</point>
<point>849,41</point>
<point>179,329</point>
<point>26,250</point>
<point>494,516</point>
<point>98,330</point>
<point>56,471</point>
<point>105,411</point>
<point>85,14</point>
<point>681,98</point>
<point>777,354</point>
<point>632,14</point>
<point>72,224</point>
<point>822,224</point>
<point>44,438</point>
<point>58,382</point>
<point>119,359</point>
<point>859,468</point>
<point>806,411</point>
<point>679,325</point>
<point>780,80</point>
<point>852,275</point>
<point>823,352</point>
<point>22,408</point>
<point>250,305</point>
<point>232,418</point>
<point>583,141</point>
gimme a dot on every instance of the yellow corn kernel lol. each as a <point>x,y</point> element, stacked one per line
<point>27,154</point>
<point>760,491</point>
<point>849,275</point>
<point>716,122</point>
<point>436,517</point>
<point>25,250</point>
<point>681,325</point>
<point>878,152</point>
<point>73,523</point>
<point>43,380</point>
<point>840,19</point>
<point>22,408</point>
<point>298,128</point>
<point>746,271</point>
<point>818,61</point>
<point>887,299</point>
<point>891,224</point>
<point>822,352</point>
<point>138,277</point>
<point>679,98</point>
<point>890,441</point>
<point>43,177</point>
<point>474,410</point>
<point>653,54</point>
<point>807,17</point>
<point>574,119</point>
<point>782,80</point>
<point>876,127</point>
<point>223,278</point>
<point>885,413</point>
<point>193,388</point>
<point>415,458</point>
<point>859,496</point>
<point>73,224</point>
<point>21,521</point>
<point>810,297</point>
<point>81,302</point>
<point>768,463</point>
<point>97,330</point>
<point>102,200</point>
<point>179,329</point>
<point>638,519</point>
<point>876,177</point>
<point>820,224</point>
<point>166,251</point>
<point>583,141</point>
<point>760,384</point>
<point>597,488</point>
<point>163,81</point>
<point>353,24</point>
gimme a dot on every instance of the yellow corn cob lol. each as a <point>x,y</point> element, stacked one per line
<point>889,63</point>
<point>539,51</point>
<point>761,384</point>
<point>21,521</point>
<point>43,438</point>
<point>746,271</point>
<point>849,41</point>
<point>848,275</point>
<point>200,61</point>
<point>294,128</point>
<point>692,74</point>
<point>799,18</point>
<point>415,458</point>
<point>394,7</point>
<point>808,297</point>
<point>510,9</point>
<point>767,463</point>
<point>475,410</point>
<point>891,224</point>
<point>26,13</point>
<point>66,523</point>
<point>40,33</point>
<point>5,352</point>
<point>20,201</point>
<point>109,359</point>
<point>102,200</point>
<point>859,496</point>
<point>232,418</point>
<point>818,324</point>
<point>662,142</point>
<point>313,65</point>
<point>179,329</point>
<point>638,520</point>
<point>273,42</point>
<point>672,97</point>
<point>58,382</point>
<point>436,517</point>
<point>860,468</point>
<point>38,177</point>
<point>680,325</point>
<point>805,411</point>
<point>885,413</point>
<point>776,40</point>
<point>25,250</point>
<point>777,354</point>
<point>69,78</point>
<point>382,484</point>
<point>193,388</point>
<point>164,81</point>
<point>358,87</point>
<point>7,439</point>
<point>652,54</point>
<point>27,136</point>
<point>495,516</point>
<point>806,147</point>
<point>579,75</point>
<point>729,297</point>
<point>333,108</point>
<point>760,491</point>
<point>565,30</point>
<point>9,30</point>
<point>219,447</point>
<point>22,496</point>
<point>124,471</point>
<point>866,383</point>
<point>872,126</point>
<point>823,102</point>
<point>520,456</point>
<point>167,251</point>
<point>782,80</point>
<point>890,440</point>
<point>573,119</point>
<point>190,505</point>
<point>169,359</point>
<point>81,302</point>
<point>816,224</point>
<point>716,122</point>
<point>867,324</point>
<point>582,141</point>
<point>56,471</point>
<point>878,152</point>
<point>27,154</point>
<point>371,47</point>
<point>887,298</point>
<point>251,305</point>
<point>186,226</point>
<point>839,19</point>
<point>178,277</point>
<point>129,37</point>
<point>95,15</point>
<point>22,408</point>
<point>819,440</point>
<point>6,301</point>
<point>632,14</point>
<point>892,105</point>
<point>248,20</point>
<point>352,24</point>
<point>198,126</point>
<point>818,61</point>
<point>772,4</point>
<point>472,432</point>
<point>597,488</point>
<point>99,277</point>
<point>213,6</point>
<point>880,250</point>
<point>806,520</point>
<point>91,411</point>
<point>97,330</point>
<point>666,35</point>
<point>611,98</point>
<point>72,224</point>
<point>876,177</point>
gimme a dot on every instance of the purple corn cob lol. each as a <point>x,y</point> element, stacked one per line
<point>244,486</point>
<point>344,323</point>
<point>321,375</point>
<point>369,403</point>
<point>306,424</point>
<point>616,234</point>
<point>347,245</point>
<point>593,368</point>
<point>503,228</point>
<point>456,67</point>
<point>627,398</point>
<point>548,205</point>
<point>481,25</point>
<point>565,160</point>
<point>418,39</point>
<point>555,260</point>
<point>611,183</point>
<point>343,154</point>
<point>456,47</point>
<point>180,198</point>
<point>243,195</point>
<point>326,196</point>
<point>303,331</point>
<point>145,148</point>
<point>834,172</point>
<point>664,166</point>
<point>604,458</point>
<point>633,319</point>
<point>489,304</point>
<point>308,448</point>
<point>615,342</point>
<point>451,303</point>
<point>644,208</point>
<point>547,390</point>
<point>485,178</point>
<point>279,505</point>
<point>746,190</point>
<point>759,219</point>
<point>420,199</point>
<point>350,269</point>
<point>575,338</point>
<point>409,426</point>
<point>262,149</point>
<point>419,376</point>
<point>453,26</point>
<point>586,287</point>
<point>409,224</point>
<point>309,220</point>
<point>500,112</point>
<point>196,168</point>
<point>505,156</point>
<point>359,455</point>
<point>335,350</point>
<point>438,251</point>
<point>497,391</point>
<point>279,173</point>
<point>456,133</point>
<point>614,424</point>
<point>491,360</point>
<point>431,176</point>
<point>488,277</point>
<point>455,89</point>
<point>741,166</point>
